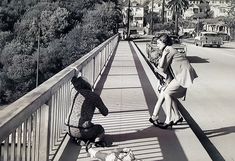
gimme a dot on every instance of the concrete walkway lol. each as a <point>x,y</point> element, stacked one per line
<point>128,88</point>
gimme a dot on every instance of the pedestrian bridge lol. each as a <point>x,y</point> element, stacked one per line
<point>32,128</point>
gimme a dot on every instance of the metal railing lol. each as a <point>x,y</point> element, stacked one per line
<point>32,128</point>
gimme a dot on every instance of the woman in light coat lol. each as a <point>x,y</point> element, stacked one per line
<point>181,75</point>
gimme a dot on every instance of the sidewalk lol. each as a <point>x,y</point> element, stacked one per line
<point>127,89</point>
<point>230,44</point>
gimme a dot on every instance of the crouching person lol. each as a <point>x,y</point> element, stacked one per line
<point>83,104</point>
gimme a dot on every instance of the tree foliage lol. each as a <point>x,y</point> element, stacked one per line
<point>5,37</point>
<point>231,11</point>
<point>67,29</point>
<point>5,88</point>
<point>177,6</point>
<point>156,18</point>
<point>169,26</point>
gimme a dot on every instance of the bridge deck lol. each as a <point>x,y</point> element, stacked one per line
<point>127,88</point>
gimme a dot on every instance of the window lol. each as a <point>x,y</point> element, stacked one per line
<point>195,10</point>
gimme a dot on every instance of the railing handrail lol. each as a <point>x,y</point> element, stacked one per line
<point>14,114</point>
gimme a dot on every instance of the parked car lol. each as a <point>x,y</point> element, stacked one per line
<point>225,37</point>
<point>154,53</point>
<point>134,34</point>
<point>208,39</point>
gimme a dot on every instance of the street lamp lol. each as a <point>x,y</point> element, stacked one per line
<point>37,24</point>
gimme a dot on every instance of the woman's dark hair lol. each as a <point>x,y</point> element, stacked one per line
<point>166,39</point>
<point>81,83</point>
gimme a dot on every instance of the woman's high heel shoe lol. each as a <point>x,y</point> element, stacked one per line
<point>155,122</point>
<point>178,121</point>
<point>165,125</point>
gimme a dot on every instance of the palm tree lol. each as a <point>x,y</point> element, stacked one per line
<point>177,7</point>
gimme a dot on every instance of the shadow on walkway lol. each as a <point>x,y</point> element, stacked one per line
<point>219,132</point>
<point>151,99</point>
<point>71,151</point>
<point>149,132</point>
<point>196,59</point>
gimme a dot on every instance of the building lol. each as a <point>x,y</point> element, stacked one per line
<point>136,16</point>
<point>196,1</point>
<point>197,9</point>
<point>157,8</point>
<point>135,1</point>
<point>192,10</point>
<point>220,7</point>
<point>217,7</point>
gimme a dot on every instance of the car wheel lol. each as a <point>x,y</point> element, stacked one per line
<point>218,46</point>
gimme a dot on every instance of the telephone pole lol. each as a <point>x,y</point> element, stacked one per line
<point>128,19</point>
<point>163,11</point>
<point>152,19</point>
<point>36,22</point>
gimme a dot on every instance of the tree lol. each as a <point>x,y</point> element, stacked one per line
<point>169,26</point>
<point>103,20</point>
<point>156,18</point>
<point>205,8</point>
<point>230,19</point>
<point>177,7</point>
<point>69,29</point>
<point>8,17</point>
<point>11,12</point>
<point>204,11</point>
<point>231,11</point>
<point>5,37</point>
<point>49,17</point>
<point>12,49</point>
<point>4,87</point>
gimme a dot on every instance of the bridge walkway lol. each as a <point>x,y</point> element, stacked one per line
<point>128,88</point>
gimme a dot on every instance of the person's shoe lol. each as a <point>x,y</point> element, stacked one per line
<point>180,120</point>
<point>155,122</point>
<point>88,145</point>
<point>166,125</point>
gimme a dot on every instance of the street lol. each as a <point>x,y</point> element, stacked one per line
<point>210,101</point>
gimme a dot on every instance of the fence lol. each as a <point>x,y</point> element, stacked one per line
<point>32,128</point>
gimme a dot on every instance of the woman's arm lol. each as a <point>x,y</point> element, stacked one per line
<point>163,59</point>
<point>101,106</point>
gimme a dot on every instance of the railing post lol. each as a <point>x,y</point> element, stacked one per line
<point>106,54</point>
<point>94,72</point>
<point>101,62</point>
<point>44,133</point>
